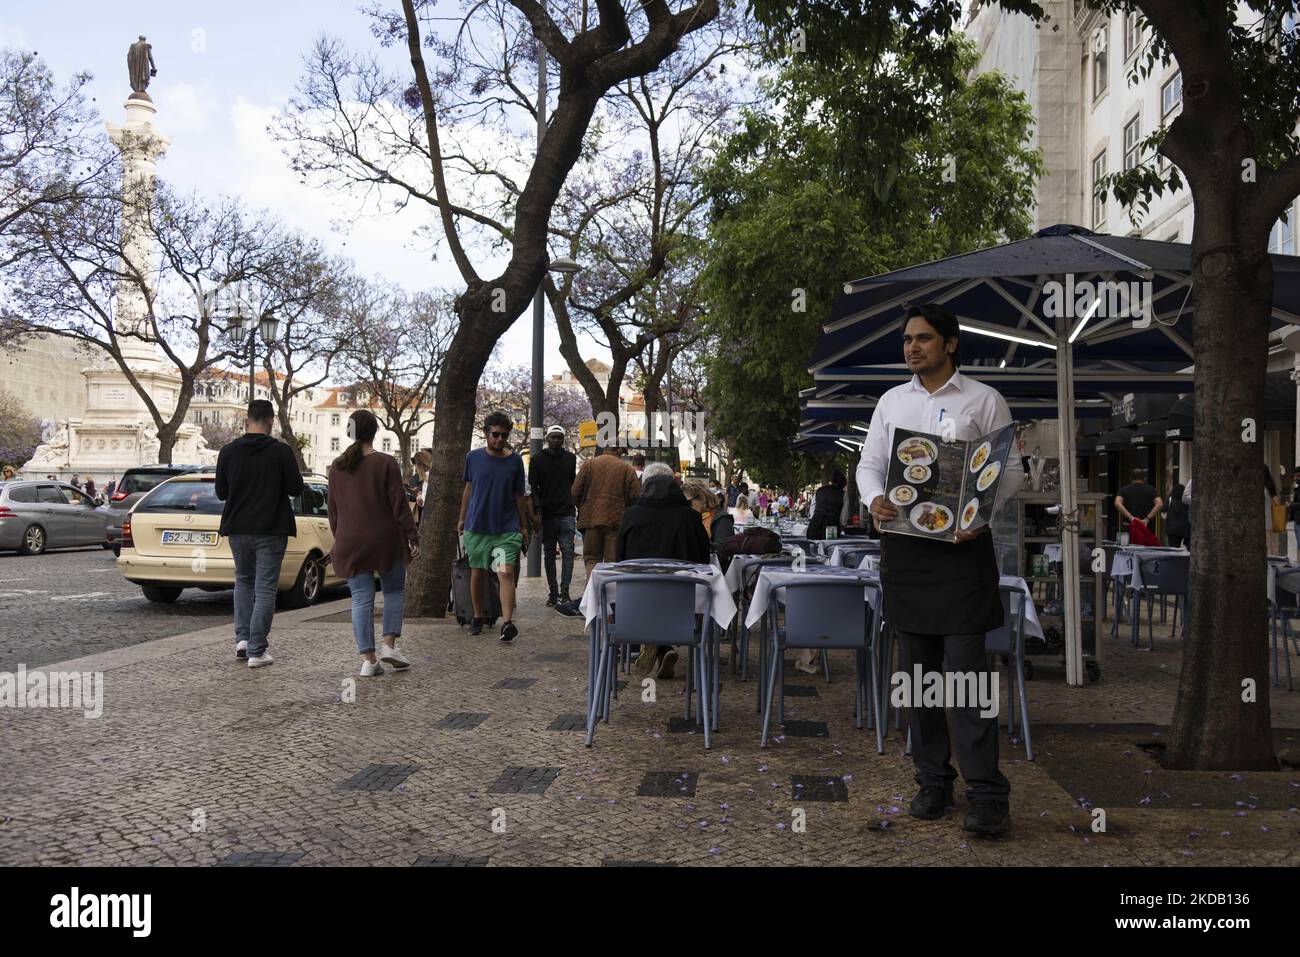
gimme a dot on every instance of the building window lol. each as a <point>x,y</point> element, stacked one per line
<point>1132,141</point>
<point>334,444</point>
<point>1132,34</point>
<point>1098,197</point>
<point>1282,239</point>
<point>1100,65</point>
<point>388,445</point>
<point>334,419</point>
<point>1171,96</point>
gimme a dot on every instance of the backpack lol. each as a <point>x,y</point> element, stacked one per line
<point>752,541</point>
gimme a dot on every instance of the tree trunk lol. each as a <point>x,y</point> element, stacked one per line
<point>166,442</point>
<point>1213,728</point>
<point>456,403</point>
<point>286,432</point>
<point>404,440</point>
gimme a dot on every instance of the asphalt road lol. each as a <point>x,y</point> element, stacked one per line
<point>74,602</point>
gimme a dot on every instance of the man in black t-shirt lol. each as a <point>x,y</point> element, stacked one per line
<point>1137,500</point>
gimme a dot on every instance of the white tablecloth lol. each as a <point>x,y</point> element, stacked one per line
<point>736,570</point>
<point>724,606</point>
<point>1273,569</point>
<point>837,552</point>
<point>1127,566</point>
<point>775,577</point>
<point>1032,626</point>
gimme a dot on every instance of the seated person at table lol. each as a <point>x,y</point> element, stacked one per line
<point>742,513</point>
<point>661,524</point>
<point>718,523</point>
<point>827,505</point>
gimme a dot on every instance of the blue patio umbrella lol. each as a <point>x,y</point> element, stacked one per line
<point>1064,297</point>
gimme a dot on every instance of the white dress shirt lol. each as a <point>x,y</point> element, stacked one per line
<point>976,408</point>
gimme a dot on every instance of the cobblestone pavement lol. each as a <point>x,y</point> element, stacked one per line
<point>197,760</point>
<point>74,602</point>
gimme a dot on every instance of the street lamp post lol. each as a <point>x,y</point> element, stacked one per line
<point>246,323</point>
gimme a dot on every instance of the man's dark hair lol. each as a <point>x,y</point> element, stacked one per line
<point>497,419</point>
<point>838,480</point>
<point>638,460</point>
<point>944,322</point>
<point>1137,475</point>
<point>261,411</point>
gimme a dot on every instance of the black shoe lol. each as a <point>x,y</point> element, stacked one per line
<point>552,599</point>
<point>565,599</point>
<point>477,627</point>
<point>987,817</point>
<point>931,802</point>
<point>509,632</point>
<point>569,609</point>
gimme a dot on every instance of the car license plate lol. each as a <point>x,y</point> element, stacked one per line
<point>188,538</point>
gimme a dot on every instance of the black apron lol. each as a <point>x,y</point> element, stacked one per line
<point>938,588</point>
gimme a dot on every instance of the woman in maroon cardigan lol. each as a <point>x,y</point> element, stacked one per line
<point>373,534</point>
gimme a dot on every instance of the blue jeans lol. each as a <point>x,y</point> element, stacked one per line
<point>257,577</point>
<point>559,530</point>
<point>362,587</point>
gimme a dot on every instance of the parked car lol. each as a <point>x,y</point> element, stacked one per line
<point>135,482</point>
<point>37,516</point>
<point>170,541</point>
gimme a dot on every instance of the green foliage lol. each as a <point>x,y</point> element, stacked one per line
<point>811,193</point>
<point>20,431</point>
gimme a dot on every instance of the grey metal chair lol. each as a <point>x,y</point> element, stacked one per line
<point>1008,642</point>
<point>656,609</point>
<point>1282,610</point>
<point>823,614</point>
<point>1161,575</point>
<point>746,593</point>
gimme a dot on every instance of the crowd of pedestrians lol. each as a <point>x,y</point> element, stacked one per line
<point>622,508</point>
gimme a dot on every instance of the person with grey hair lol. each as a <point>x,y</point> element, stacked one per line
<point>661,524</point>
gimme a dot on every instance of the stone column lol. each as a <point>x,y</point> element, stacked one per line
<point>141,147</point>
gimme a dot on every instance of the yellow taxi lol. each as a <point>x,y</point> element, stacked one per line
<point>170,542</point>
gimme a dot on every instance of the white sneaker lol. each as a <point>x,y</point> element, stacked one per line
<point>371,668</point>
<point>393,657</point>
<point>261,661</point>
<point>241,649</point>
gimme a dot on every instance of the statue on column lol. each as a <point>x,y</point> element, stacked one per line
<point>139,61</point>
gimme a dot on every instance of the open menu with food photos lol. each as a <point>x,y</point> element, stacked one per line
<point>941,488</point>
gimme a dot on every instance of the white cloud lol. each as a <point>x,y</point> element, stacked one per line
<point>188,109</point>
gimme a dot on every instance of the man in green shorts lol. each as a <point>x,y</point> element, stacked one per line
<point>493,510</point>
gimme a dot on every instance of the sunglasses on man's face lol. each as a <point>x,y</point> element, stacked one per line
<point>499,435</point>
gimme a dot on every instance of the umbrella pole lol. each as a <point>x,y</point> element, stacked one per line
<point>1074,674</point>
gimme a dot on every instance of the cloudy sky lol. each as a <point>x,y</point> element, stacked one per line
<point>224,69</point>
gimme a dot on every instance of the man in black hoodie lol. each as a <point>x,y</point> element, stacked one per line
<point>551,477</point>
<point>256,477</point>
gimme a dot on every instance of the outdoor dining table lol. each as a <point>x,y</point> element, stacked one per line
<point>1128,571</point>
<point>836,556</point>
<point>724,606</point>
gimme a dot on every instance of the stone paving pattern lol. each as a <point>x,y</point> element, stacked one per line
<point>197,760</point>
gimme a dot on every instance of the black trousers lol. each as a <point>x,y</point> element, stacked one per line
<point>977,737</point>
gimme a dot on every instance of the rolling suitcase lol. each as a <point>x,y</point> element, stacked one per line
<point>462,601</point>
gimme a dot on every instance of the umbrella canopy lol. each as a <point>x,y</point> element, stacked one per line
<point>1150,433</point>
<point>1065,297</point>
<point>1008,309</point>
<point>1115,439</point>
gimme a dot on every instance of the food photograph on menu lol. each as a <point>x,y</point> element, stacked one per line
<point>941,488</point>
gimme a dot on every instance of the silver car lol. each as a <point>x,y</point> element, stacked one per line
<point>38,516</point>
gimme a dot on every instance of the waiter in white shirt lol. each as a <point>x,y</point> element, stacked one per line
<point>942,597</point>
